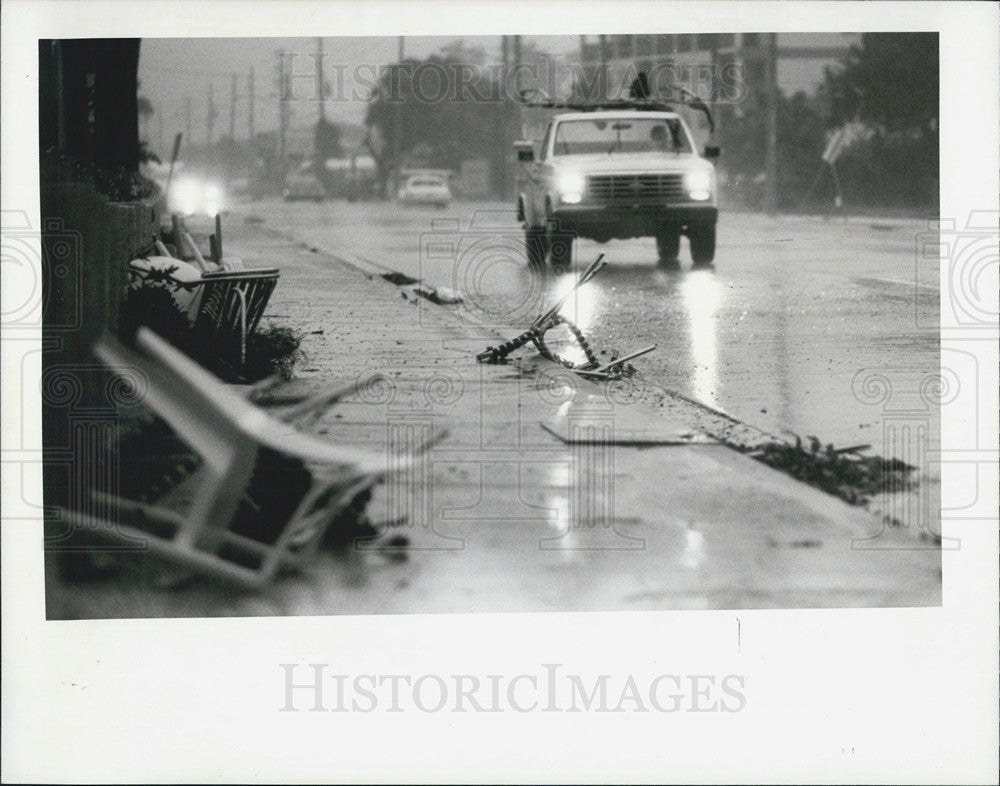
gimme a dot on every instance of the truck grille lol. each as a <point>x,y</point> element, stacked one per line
<point>627,188</point>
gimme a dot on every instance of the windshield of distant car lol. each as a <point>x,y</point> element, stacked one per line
<point>426,181</point>
<point>628,135</point>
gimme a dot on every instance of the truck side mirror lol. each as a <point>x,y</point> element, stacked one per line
<point>525,151</point>
<point>711,151</point>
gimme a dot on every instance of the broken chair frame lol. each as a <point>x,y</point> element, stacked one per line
<point>552,318</point>
<point>235,440</point>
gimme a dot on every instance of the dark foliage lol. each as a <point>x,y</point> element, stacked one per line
<point>445,111</point>
<point>890,80</point>
<point>273,350</point>
<point>120,185</point>
<point>843,473</point>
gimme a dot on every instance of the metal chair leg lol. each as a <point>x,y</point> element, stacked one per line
<point>243,325</point>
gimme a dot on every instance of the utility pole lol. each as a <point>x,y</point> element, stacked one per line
<point>771,143</point>
<point>397,116</point>
<point>501,153</point>
<point>211,114</point>
<point>187,114</point>
<point>232,108</point>
<point>250,107</point>
<point>515,132</point>
<point>516,65</point>
<point>319,80</point>
<point>283,85</point>
<point>602,73</point>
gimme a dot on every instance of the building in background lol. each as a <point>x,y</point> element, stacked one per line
<point>728,69</point>
<point>752,82</point>
<point>801,57</point>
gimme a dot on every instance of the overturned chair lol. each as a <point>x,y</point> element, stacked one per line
<point>260,495</point>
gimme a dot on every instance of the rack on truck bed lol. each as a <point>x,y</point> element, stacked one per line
<point>536,99</point>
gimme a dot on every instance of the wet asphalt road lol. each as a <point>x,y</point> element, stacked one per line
<point>803,325</point>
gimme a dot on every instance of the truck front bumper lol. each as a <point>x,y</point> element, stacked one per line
<point>607,222</point>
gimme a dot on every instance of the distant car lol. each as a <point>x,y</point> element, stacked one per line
<point>425,190</point>
<point>192,194</point>
<point>303,185</point>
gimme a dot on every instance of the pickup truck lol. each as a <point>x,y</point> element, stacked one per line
<point>610,173</point>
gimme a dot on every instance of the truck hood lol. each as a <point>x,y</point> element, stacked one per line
<point>632,163</point>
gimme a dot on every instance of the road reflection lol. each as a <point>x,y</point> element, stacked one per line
<point>701,296</point>
<point>677,309</point>
<point>774,336</point>
<point>580,309</point>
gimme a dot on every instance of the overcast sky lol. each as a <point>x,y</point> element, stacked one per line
<point>171,69</point>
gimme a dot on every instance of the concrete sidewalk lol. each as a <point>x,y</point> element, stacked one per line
<point>506,514</point>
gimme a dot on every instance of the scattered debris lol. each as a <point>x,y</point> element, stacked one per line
<point>274,350</point>
<point>399,279</point>
<point>804,543</point>
<point>395,548</point>
<point>843,472</point>
<point>607,367</point>
<point>208,309</point>
<point>231,503</point>
<point>616,369</point>
<point>442,296</point>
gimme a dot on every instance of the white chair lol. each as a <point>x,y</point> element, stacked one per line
<point>264,493</point>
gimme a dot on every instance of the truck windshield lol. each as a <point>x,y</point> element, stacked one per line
<point>629,135</point>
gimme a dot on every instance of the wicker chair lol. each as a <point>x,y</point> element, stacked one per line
<point>231,306</point>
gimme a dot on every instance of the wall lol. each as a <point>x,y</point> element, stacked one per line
<point>87,243</point>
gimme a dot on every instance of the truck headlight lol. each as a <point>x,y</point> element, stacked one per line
<point>570,186</point>
<point>698,183</point>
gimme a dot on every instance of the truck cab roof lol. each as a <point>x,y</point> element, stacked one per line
<point>615,114</point>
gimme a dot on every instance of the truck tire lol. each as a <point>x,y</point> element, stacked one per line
<point>558,241</point>
<point>535,247</point>
<point>668,244</point>
<point>702,237</point>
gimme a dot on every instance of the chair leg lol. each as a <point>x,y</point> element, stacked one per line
<point>243,325</point>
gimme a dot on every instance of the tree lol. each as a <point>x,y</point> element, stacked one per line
<point>458,52</point>
<point>326,141</point>
<point>890,80</point>
<point>144,110</point>
<point>890,83</point>
<point>445,105</point>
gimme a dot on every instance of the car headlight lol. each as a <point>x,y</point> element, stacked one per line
<point>213,199</point>
<point>570,186</point>
<point>698,183</point>
<point>186,195</point>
